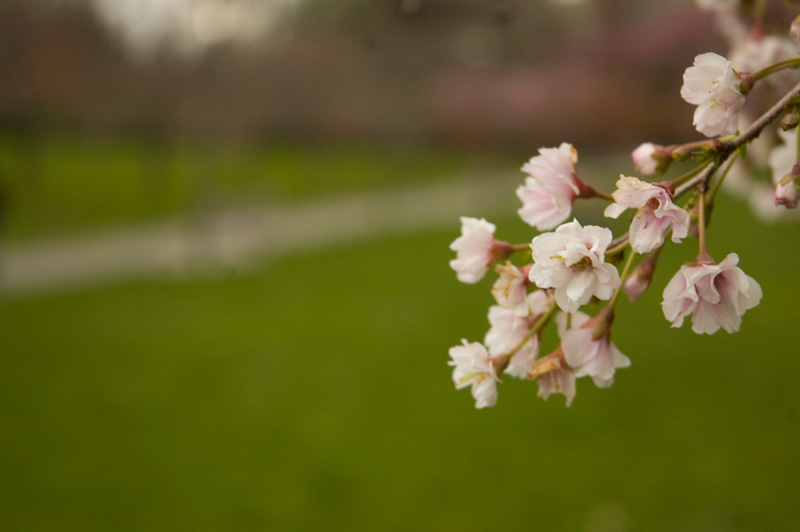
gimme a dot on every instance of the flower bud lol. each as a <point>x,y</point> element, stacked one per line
<point>787,193</point>
<point>651,159</point>
<point>638,281</point>
<point>789,121</point>
<point>794,29</point>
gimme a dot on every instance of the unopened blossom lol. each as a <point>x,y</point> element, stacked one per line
<point>787,192</point>
<point>651,159</point>
<point>715,295</point>
<point>571,260</point>
<point>714,86</point>
<point>641,276</point>
<point>783,163</point>
<point>472,367</point>
<point>474,249</point>
<point>550,189</point>
<point>554,376</point>
<point>587,352</point>
<point>510,289</point>
<point>656,213</point>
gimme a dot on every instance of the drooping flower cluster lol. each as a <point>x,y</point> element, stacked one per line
<point>572,274</point>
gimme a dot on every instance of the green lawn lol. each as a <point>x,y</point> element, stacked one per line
<point>316,396</point>
<point>54,183</point>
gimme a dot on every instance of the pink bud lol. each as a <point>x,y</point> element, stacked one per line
<point>651,159</point>
<point>787,193</point>
<point>638,281</point>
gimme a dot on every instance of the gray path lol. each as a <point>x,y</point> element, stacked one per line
<point>244,239</point>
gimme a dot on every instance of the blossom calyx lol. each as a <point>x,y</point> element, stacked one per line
<point>789,121</point>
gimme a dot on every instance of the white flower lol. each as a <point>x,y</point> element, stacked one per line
<point>548,194</point>
<point>474,249</point>
<point>717,295</point>
<point>472,367</point>
<point>598,358</point>
<point>714,86</point>
<point>508,330</point>
<point>510,289</point>
<point>656,213</point>
<point>572,261</point>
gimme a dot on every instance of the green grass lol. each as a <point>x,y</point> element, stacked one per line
<point>316,396</point>
<point>54,183</point>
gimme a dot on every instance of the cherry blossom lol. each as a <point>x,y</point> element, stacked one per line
<point>554,376</point>
<point>656,213</point>
<point>474,249</point>
<point>714,86</point>
<point>586,351</point>
<point>472,367</point>
<point>551,188</point>
<point>716,295</point>
<point>510,289</point>
<point>571,260</point>
<point>507,331</point>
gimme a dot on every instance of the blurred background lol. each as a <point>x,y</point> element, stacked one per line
<point>225,299</point>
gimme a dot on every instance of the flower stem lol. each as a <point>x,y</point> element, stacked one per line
<point>691,173</point>
<point>718,183</point>
<point>701,220</point>
<point>777,67</point>
<point>749,134</point>
<point>625,271</point>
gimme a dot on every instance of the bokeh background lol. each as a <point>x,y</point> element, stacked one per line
<point>226,300</point>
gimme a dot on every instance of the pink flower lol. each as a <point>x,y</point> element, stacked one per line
<point>656,213</point>
<point>717,295</point>
<point>714,86</point>
<point>511,289</point>
<point>572,262</point>
<point>472,367</point>
<point>474,250</point>
<point>549,192</point>
<point>587,355</point>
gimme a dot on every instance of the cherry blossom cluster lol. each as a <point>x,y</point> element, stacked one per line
<point>571,275</point>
